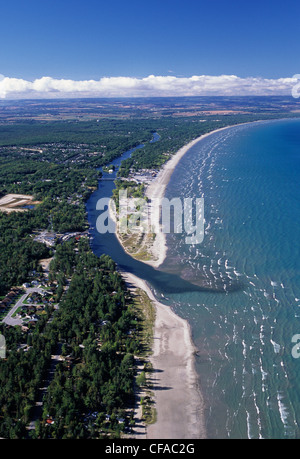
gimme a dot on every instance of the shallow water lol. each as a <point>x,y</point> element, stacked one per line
<point>239,288</point>
<point>249,177</point>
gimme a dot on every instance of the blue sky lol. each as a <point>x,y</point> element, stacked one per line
<point>91,39</point>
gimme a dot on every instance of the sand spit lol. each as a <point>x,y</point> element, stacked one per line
<point>179,403</point>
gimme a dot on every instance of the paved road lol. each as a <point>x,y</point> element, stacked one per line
<point>8,319</point>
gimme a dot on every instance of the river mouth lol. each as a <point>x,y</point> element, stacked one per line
<point>198,278</point>
<point>172,276</point>
<point>239,291</point>
<point>162,281</point>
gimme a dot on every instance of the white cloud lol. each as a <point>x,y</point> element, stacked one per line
<point>197,85</point>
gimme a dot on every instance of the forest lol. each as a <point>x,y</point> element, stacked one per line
<point>94,329</point>
<point>177,132</point>
<point>19,253</point>
<point>96,371</point>
<point>61,186</point>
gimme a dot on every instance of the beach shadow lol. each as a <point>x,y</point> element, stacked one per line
<point>139,426</point>
<point>156,387</point>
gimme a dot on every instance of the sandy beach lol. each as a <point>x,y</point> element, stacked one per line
<point>156,190</point>
<point>178,398</point>
<point>177,392</point>
<point>179,403</point>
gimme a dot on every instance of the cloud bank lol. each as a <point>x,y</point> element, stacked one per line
<point>150,86</point>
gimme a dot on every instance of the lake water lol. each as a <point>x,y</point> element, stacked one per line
<point>240,288</point>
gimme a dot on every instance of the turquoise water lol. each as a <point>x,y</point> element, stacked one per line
<point>249,261</point>
<point>240,288</point>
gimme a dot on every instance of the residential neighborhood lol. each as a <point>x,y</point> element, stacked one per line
<point>23,306</point>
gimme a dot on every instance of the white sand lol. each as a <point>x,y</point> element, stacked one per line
<point>179,403</point>
<point>178,398</point>
<point>156,190</point>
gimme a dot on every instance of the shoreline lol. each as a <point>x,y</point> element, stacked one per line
<point>178,399</point>
<point>156,190</point>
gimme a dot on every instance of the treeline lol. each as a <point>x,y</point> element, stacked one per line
<point>64,188</point>
<point>70,153</point>
<point>95,332</point>
<point>93,325</point>
<point>177,132</point>
<point>22,374</point>
<point>45,179</point>
<point>133,189</point>
<point>20,254</point>
<point>107,132</point>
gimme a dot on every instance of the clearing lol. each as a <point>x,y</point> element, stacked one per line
<point>16,203</point>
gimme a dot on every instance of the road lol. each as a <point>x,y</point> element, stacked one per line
<point>8,319</point>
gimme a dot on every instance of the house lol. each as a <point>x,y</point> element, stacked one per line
<point>49,421</point>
